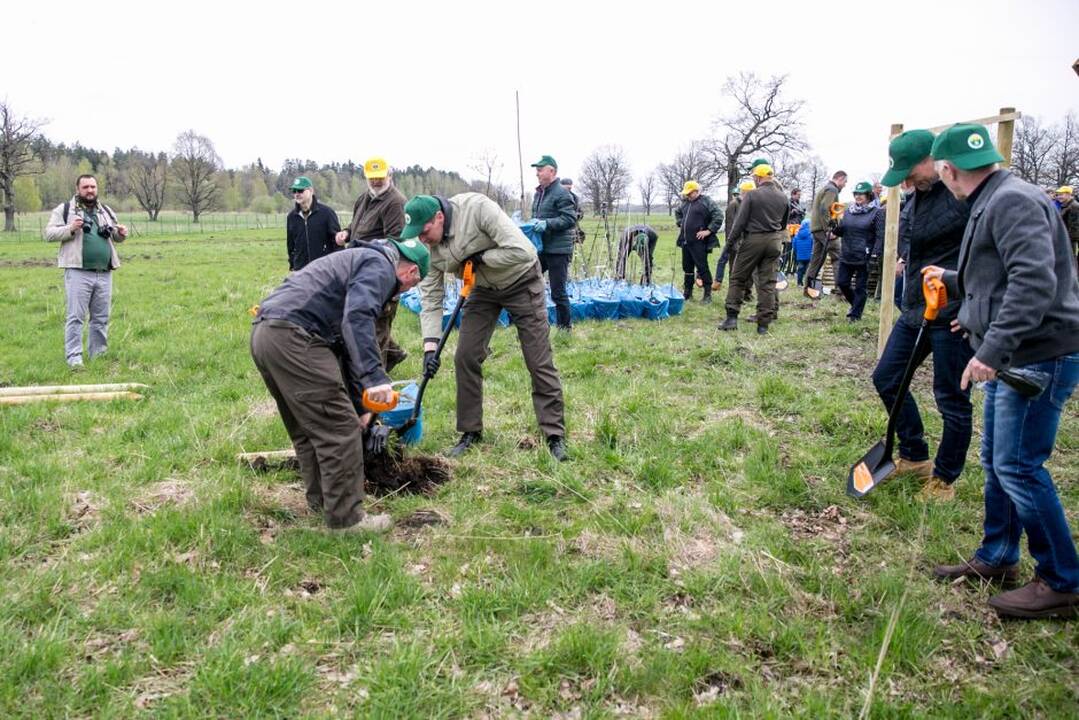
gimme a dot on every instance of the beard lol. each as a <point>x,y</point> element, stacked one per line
<point>378,191</point>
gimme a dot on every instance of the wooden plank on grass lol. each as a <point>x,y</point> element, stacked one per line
<point>68,397</point>
<point>66,389</point>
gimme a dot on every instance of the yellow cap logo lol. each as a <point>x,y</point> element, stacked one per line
<point>975,141</point>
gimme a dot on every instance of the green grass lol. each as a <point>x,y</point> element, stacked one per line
<point>689,562</point>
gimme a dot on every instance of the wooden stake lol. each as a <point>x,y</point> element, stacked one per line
<point>266,455</point>
<point>1005,131</point>
<point>66,389</point>
<point>887,270</point>
<point>68,397</point>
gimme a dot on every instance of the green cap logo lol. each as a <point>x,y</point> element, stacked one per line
<point>975,142</point>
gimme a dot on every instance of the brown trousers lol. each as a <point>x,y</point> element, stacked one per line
<point>303,376</point>
<point>392,354</point>
<point>526,303</point>
<point>822,247</point>
<point>757,261</point>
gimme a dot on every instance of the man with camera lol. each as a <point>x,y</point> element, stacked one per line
<point>86,230</point>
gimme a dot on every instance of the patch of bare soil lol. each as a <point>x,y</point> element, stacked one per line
<point>85,510</point>
<point>264,409</point>
<point>28,263</point>
<point>173,492</point>
<point>829,524</point>
<point>695,533</point>
<point>395,472</point>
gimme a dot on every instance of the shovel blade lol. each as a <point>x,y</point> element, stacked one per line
<point>870,472</point>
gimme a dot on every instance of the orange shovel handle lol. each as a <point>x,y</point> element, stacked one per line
<point>378,407</point>
<point>936,297</point>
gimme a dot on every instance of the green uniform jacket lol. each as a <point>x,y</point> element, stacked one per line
<point>474,224</point>
<point>820,215</point>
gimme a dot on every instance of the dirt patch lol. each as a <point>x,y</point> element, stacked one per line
<point>32,262</point>
<point>828,524</point>
<point>395,472</point>
<point>85,510</point>
<point>264,409</point>
<point>172,492</point>
<point>424,518</point>
<point>695,534</point>
<point>98,646</point>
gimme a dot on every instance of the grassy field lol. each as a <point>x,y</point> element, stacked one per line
<point>697,558</point>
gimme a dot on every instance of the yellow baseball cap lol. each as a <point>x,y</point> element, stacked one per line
<point>376,168</point>
<point>690,186</point>
<point>763,170</point>
<point>1065,189</point>
<point>747,185</point>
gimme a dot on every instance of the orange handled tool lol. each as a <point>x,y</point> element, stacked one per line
<point>378,407</point>
<point>936,297</point>
<point>837,209</point>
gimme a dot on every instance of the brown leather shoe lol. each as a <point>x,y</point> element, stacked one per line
<point>936,490</point>
<point>975,569</point>
<point>1036,600</point>
<point>921,468</point>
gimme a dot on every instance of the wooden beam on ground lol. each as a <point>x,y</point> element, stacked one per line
<point>68,397</point>
<point>887,270</point>
<point>266,458</point>
<point>65,389</point>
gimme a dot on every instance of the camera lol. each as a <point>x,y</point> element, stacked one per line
<point>102,230</point>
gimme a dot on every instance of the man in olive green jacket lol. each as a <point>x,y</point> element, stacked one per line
<point>820,224</point>
<point>472,227</point>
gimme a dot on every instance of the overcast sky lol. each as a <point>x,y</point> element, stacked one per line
<point>432,83</point>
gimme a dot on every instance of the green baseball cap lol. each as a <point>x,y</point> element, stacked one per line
<point>301,183</point>
<point>418,212</point>
<point>968,147</point>
<point>545,160</point>
<point>415,251</point>
<point>904,152</point>
<point>759,161</point>
<point>864,187</point>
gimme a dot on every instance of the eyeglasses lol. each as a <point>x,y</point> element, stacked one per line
<point>298,192</point>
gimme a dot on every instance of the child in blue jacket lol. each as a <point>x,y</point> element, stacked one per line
<point>803,249</point>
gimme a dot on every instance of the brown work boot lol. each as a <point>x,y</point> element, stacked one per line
<point>1036,600</point>
<point>716,285</point>
<point>975,569</point>
<point>936,490</point>
<point>921,468</point>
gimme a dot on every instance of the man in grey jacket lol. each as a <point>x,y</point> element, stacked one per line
<point>86,230</point>
<point>1020,308</point>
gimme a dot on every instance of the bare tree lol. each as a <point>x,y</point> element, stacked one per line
<point>647,186</point>
<point>762,121</point>
<point>488,165</point>
<point>605,177</point>
<point>17,135</point>
<point>1032,150</point>
<point>1064,163</point>
<point>148,180</point>
<point>194,164</point>
<point>693,163</point>
<point>807,172</point>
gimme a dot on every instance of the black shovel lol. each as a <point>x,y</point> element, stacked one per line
<point>877,465</point>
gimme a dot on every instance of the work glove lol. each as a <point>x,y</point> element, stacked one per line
<point>539,225</point>
<point>431,364</point>
<point>377,439</point>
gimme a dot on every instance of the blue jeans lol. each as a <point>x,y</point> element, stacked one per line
<point>800,268</point>
<point>951,353</point>
<point>1017,439</point>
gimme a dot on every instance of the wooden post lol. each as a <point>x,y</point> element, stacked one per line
<point>1005,131</point>
<point>68,389</point>
<point>887,270</point>
<point>67,397</point>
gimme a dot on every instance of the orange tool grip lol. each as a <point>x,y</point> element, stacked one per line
<point>837,209</point>
<point>378,407</point>
<point>468,279</point>
<point>936,297</point>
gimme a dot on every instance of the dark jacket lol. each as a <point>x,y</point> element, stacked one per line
<point>1016,276</point>
<point>1069,212</point>
<point>338,298</point>
<point>798,213</point>
<point>931,226</point>
<point>861,233</point>
<point>820,217</point>
<point>696,215</point>
<point>732,213</point>
<point>555,205</point>
<point>312,237</point>
<point>764,210</point>
<point>377,217</point>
